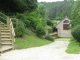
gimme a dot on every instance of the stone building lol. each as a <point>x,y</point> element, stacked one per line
<point>63,28</point>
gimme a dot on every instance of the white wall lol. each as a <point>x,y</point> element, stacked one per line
<point>61,32</point>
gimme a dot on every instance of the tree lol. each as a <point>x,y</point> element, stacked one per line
<point>42,10</point>
<point>75,17</point>
<point>20,30</point>
<point>30,19</point>
<point>13,6</point>
<point>58,10</point>
<point>75,14</point>
<point>76,33</point>
<point>40,30</point>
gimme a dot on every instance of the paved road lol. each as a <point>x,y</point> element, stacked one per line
<point>53,51</point>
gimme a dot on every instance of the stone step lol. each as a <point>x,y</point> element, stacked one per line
<point>5,33</point>
<point>6,43</point>
<point>4,30</point>
<point>6,39</point>
<point>5,48</point>
<point>4,36</point>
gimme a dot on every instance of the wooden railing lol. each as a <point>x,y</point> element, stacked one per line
<point>14,22</point>
<point>12,33</point>
<point>7,20</point>
<point>0,43</point>
<point>3,18</point>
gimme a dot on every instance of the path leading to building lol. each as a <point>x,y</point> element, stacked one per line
<point>53,51</point>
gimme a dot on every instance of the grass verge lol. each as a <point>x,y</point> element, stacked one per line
<point>63,39</point>
<point>29,41</point>
<point>73,47</point>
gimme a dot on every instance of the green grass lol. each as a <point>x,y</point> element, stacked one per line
<point>50,27</point>
<point>29,32</point>
<point>73,48</point>
<point>30,41</point>
<point>63,39</point>
<point>55,21</point>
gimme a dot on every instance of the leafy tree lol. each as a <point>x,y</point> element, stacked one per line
<point>58,10</point>
<point>42,10</point>
<point>13,6</point>
<point>30,19</point>
<point>76,33</point>
<point>40,30</point>
<point>75,14</point>
<point>75,17</point>
<point>20,30</point>
<point>49,22</point>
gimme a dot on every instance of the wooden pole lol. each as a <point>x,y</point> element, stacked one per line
<point>8,22</point>
<point>0,43</point>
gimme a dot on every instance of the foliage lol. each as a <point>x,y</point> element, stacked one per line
<point>13,6</point>
<point>58,10</point>
<point>29,41</point>
<point>54,29</point>
<point>49,22</point>
<point>30,19</point>
<point>20,30</point>
<point>48,37</point>
<point>40,31</point>
<point>73,47</point>
<point>76,33</point>
<point>75,14</point>
<point>42,10</point>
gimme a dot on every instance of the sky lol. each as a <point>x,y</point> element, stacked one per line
<point>49,0</point>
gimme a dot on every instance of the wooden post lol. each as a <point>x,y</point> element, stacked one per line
<point>17,23</point>
<point>12,35</point>
<point>0,43</point>
<point>12,41</point>
<point>8,22</point>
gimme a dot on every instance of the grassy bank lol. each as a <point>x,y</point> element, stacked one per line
<point>29,41</point>
<point>73,47</point>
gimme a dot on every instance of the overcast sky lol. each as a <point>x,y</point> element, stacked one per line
<point>48,0</point>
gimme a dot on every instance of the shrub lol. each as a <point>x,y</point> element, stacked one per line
<point>49,23</point>
<point>20,30</point>
<point>48,37</point>
<point>76,33</point>
<point>40,31</point>
<point>54,29</point>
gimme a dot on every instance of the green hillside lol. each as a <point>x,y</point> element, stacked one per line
<point>30,40</point>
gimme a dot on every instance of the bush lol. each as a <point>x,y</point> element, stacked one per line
<point>48,37</point>
<point>20,30</point>
<point>76,33</point>
<point>54,29</point>
<point>40,31</point>
<point>29,18</point>
<point>49,23</point>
